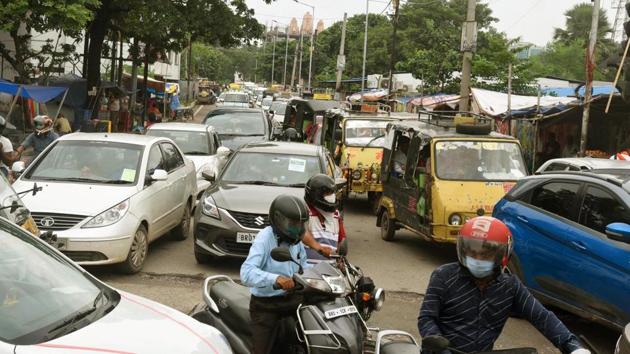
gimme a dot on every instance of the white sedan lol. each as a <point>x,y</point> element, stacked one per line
<point>50,305</point>
<point>107,196</point>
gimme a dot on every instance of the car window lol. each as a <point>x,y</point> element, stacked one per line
<point>272,169</point>
<point>190,142</point>
<point>559,198</point>
<point>172,157</point>
<point>601,208</point>
<point>156,161</point>
<point>238,123</point>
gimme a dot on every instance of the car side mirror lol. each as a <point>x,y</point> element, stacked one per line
<point>618,231</point>
<point>281,254</point>
<point>272,112</point>
<point>18,167</point>
<point>159,175</point>
<point>208,175</point>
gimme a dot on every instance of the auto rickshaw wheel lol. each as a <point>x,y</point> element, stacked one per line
<point>388,226</point>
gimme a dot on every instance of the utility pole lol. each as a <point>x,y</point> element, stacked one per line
<point>273,55</point>
<point>300,66</point>
<point>286,55</point>
<point>341,59</point>
<point>295,58</point>
<point>134,82</point>
<point>392,60</point>
<point>590,66</point>
<point>509,103</point>
<point>469,41</point>
<point>367,9</point>
<point>310,60</point>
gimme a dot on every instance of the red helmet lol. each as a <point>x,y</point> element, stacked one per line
<point>485,237</point>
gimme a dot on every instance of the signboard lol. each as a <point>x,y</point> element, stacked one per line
<point>341,62</point>
<point>470,28</point>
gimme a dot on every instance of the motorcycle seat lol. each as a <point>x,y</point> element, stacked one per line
<point>399,348</point>
<point>233,302</point>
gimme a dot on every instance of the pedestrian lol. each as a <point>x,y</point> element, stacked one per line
<point>469,302</point>
<point>125,115</point>
<point>8,155</point>
<point>325,226</point>
<point>114,112</point>
<point>269,306</point>
<point>41,138</point>
<point>62,125</point>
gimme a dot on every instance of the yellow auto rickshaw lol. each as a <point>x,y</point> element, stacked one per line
<point>439,173</point>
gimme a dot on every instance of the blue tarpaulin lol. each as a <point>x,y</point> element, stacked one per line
<point>570,91</point>
<point>39,94</point>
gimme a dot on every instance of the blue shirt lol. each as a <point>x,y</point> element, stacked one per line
<point>39,142</point>
<point>260,271</point>
<point>472,320</point>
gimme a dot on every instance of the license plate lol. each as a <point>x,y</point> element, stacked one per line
<point>342,311</point>
<point>245,237</point>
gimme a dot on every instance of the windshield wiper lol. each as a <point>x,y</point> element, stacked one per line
<point>257,134</point>
<point>371,141</point>
<point>195,153</point>
<point>66,326</point>
<point>79,179</point>
<point>116,181</point>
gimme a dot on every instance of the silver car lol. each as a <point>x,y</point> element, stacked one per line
<point>107,196</point>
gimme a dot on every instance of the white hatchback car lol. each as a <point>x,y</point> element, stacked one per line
<point>50,305</point>
<point>107,196</point>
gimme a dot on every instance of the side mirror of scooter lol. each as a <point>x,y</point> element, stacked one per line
<point>342,250</point>
<point>435,344</point>
<point>282,254</point>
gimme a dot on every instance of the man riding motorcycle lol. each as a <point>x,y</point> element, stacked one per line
<point>469,302</point>
<point>268,280</point>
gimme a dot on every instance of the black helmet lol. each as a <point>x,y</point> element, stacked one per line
<point>288,216</point>
<point>291,134</point>
<point>317,187</point>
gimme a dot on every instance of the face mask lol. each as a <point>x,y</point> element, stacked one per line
<point>330,198</point>
<point>479,269</point>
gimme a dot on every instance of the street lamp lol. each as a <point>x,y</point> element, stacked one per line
<point>310,60</point>
<point>273,57</point>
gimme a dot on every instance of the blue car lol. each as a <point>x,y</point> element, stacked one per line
<point>572,241</point>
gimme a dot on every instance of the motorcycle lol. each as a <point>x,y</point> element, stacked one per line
<point>326,321</point>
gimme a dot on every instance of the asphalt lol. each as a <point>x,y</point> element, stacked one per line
<point>402,267</point>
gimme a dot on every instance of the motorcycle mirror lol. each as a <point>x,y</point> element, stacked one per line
<point>36,189</point>
<point>435,344</point>
<point>342,250</point>
<point>14,206</point>
<point>281,254</point>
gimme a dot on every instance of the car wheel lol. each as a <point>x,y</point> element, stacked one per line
<point>388,227</point>
<point>137,252</point>
<point>202,257</point>
<point>182,231</point>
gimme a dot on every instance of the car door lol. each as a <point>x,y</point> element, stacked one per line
<point>603,284</point>
<point>155,193</point>
<point>541,225</point>
<point>176,198</point>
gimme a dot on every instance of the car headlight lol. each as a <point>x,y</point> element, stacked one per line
<point>337,284</point>
<point>455,220</point>
<point>109,216</point>
<point>209,207</point>
<point>318,284</point>
<point>356,174</point>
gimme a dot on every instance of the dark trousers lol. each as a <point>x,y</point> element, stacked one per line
<point>268,314</point>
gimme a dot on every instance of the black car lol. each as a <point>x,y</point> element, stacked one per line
<point>236,206</point>
<point>239,126</point>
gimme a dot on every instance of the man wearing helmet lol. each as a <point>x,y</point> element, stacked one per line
<point>469,302</point>
<point>325,226</point>
<point>41,138</point>
<point>269,280</point>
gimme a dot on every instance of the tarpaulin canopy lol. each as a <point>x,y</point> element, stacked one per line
<point>39,94</point>
<point>495,104</point>
<point>77,89</point>
<point>370,96</point>
<point>570,91</point>
<point>435,100</point>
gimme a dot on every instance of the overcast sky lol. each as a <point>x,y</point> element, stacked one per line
<point>532,20</point>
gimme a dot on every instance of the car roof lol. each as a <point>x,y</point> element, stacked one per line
<point>180,127</point>
<point>591,163</point>
<point>434,130</point>
<point>224,110</point>
<point>620,178</point>
<point>124,138</point>
<point>282,147</point>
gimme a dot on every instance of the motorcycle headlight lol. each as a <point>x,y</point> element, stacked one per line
<point>318,284</point>
<point>109,216</point>
<point>209,207</point>
<point>455,220</point>
<point>336,284</point>
<point>379,299</point>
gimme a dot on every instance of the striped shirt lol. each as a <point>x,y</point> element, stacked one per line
<point>327,229</point>
<point>472,320</point>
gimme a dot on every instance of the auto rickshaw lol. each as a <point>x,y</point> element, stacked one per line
<point>439,172</point>
<point>300,115</point>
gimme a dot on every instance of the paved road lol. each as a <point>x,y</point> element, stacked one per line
<point>402,267</point>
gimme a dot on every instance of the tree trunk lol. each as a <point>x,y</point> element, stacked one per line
<point>98,29</point>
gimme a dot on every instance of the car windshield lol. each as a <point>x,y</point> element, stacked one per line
<point>267,101</point>
<point>365,132</point>
<point>89,162</point>
<point>479,161</point>
<point>238,123</point>
<point>40,292</point>
<point>190,142</point>
<point>274,169</point>
<point>278,107</point>
<point>235,97</point>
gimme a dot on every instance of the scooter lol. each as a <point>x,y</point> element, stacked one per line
<point>326,321</point>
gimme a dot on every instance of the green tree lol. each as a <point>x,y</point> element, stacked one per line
<point>578,25</point>
<point>20,18</point>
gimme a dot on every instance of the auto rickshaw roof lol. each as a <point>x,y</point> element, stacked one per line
<point>434,130</point>
<point>314,105</point>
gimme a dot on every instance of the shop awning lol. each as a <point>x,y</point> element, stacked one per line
<point>495,104</point>
<point>39,94</point>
